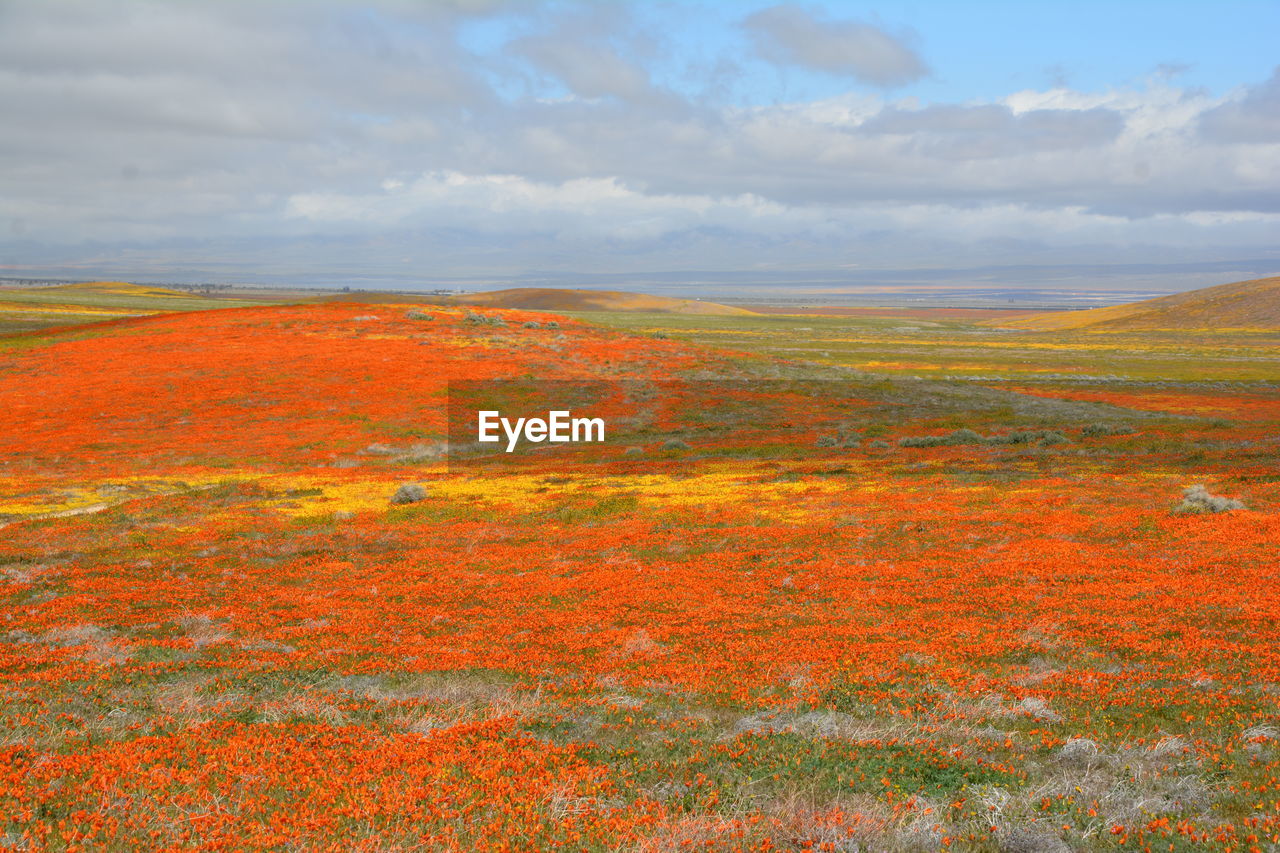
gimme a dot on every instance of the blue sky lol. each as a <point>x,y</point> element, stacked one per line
<point>977,50</point>
<point>486,140</point>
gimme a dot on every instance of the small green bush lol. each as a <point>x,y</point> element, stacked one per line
<point>965,436</point>
<point>955,437</point>
<point>1094,430</point>
<point>473,319</point>
<point>1044,437</point>
<point>923,441</point>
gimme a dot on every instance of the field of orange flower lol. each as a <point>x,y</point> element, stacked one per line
<point>904,615</point>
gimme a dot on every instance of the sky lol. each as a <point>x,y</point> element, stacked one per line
<point>488,142</point>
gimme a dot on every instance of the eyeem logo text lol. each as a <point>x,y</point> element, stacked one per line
<point>559,426</point>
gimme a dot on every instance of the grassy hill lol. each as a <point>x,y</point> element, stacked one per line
<point>558,299</point>
<point>109,288</point>
<point>30,308</point>
<point>1251,304</point>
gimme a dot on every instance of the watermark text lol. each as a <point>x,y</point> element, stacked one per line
<point>560,426</point>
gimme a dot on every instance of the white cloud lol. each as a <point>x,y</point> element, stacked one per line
<point>581,207</point>
<point>791,35</point>
<point>586,53</point>
<point>1253,118</point>
<point>144,122</point>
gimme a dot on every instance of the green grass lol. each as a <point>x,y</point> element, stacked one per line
<point>950,348</point>
<point>105,299</point>
<point>15,323</point>
<point>96,303</point>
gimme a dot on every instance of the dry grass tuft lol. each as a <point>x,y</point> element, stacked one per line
<point>1196,499</point>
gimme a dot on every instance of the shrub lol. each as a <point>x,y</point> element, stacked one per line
<point>878,444</point>
<point>923,441</point>
<point>1196,499</point>
<point>826,441</point>
<point>662,336</point>
<point>1018,436</point>
<point>1093,430</point>
<point>418,315</point>
<point>409,493</point>
<point>674,444</point>
<point>531,324</point>
<point>1028,436</point>
<point>473,319</point>
<point>955,437</point>
<point>965,436</point>
<point>551,324</point>
<point>633,451</point>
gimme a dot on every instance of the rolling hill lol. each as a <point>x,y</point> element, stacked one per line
<point>25,309</point>
<point>117,288</point>
<point>1251,304</point>
<point>557,299</point>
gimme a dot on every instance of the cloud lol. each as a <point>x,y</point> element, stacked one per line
<point>1254,118</point>
<point>597,221</point>
<point>586,52</point>
<point>791,35</point>
<point>573,209</point>
<point>558,139</point>
<point>994,130</point>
